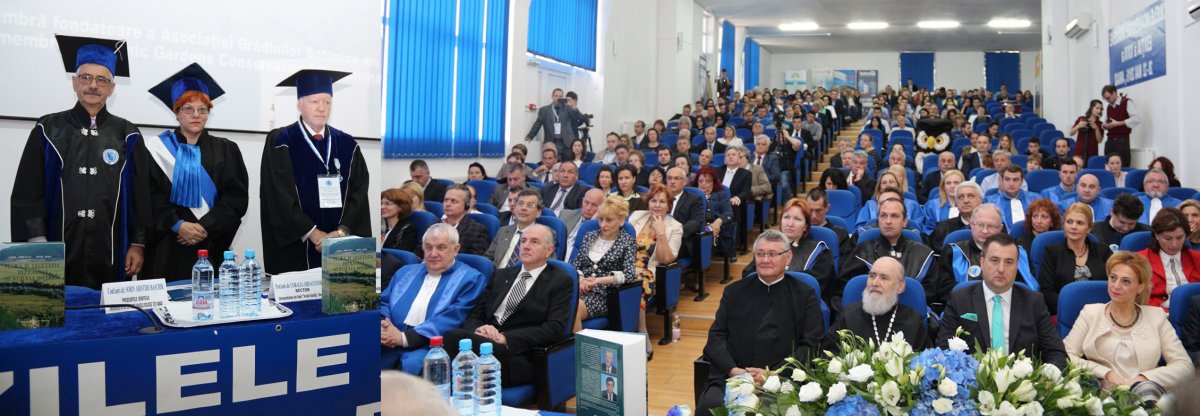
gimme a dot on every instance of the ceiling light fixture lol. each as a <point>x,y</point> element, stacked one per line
<point>798,26</point>
<point>867,25</point>
<point>938,24</point>
<point>1009,23</point>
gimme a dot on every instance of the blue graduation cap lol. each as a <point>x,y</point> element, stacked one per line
<point>191,78</point>
<point>109,53</point>
<point>313,81</point>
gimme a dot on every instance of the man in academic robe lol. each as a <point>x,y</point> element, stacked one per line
<point>968,196</point>
<point>314,180</point>
<point>997,314</point>
<point>916,257</point>
<point>1155,197</point>
<point>880,315</point>
<point>1121,221</point>
<point>526,308</point>
<point>77,181</point>
<point>1087,191</point>
<point>760,322</point>
<point>472,234</point>
<point>426,300</point>
<point>960,260</point>
<point>1012,200</point>
<point>433,190</point>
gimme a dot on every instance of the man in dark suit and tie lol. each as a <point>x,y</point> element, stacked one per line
<point>609,365</point>
<point>1000,315</point>
<point>558,121</point>
<point>610,392</point>
<point>526,307</point>
<point>472,235</point>
<point>860,177</point>
<point>419,171</point>
<point>687,208</point>
<point>982,144</point>
<point>931,181</point>
<point>568,192</point>
<point>514,178</point>
<point>504,250</point>
<point>739,181</point>
<point>710,142</point>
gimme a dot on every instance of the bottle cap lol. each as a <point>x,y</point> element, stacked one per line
<point>202,253</point>
<point>249,253</point>
<point>464,345</point>
<point>228,255</point>
<point>435,341</point>
<point>485,348</point>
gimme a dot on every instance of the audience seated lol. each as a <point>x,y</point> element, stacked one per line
<point>1173,263</point>
<point>818,207</point>
<point>431,189</point>
<point>968,197</point>
<point>880,303</point>
<point>1066,176</point>
<point>1155,196</point>
<point>1000,315</point>
<point>685,208</point>
<point>417,195</point>
<point>1087,191</point>
<point>945,206</point>
<point>728,139</point>
<point>1112,163</point>
<point>760,322</point>
<point>396,208</point>
<point>961,260</point>
<point>1164,163</point>
<point>513,178</point>
<point>505,248</point>
<point>476,172</point>
<point>1122,342</point>
<point>838,160</point>
<point>945,163</point>
<point>659,237</point>
<point>859,175</point>
<point>426,300</point>
<point>572,218</point>
<point>834,178</point>
<point>627,187</point>
<point>770,164</point>
<point>1058,268</point>
<point>1121,221</point>
<point>544,173</point>
<point>1191,210</point>
<point>606,259</point>
<point>473,235</point>
<point>606,179</point>
<point>719,216</point>
<point>916,257</point>
<point>980,146</point>
<point>567,192</point>
<point>1041,216</point>
<point>608,156</point>
<point>896,181</point>
<point>808,254</point>
<point>1011,199</point>
<point>1062,153</point>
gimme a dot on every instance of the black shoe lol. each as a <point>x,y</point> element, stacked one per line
<point>649,355</point>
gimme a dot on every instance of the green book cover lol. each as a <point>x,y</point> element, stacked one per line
<point>348,275</point>
<point>32,291</point>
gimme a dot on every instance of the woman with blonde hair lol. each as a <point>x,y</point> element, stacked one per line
<point>1075,260</point>
<point>417,194</point>
<point>1191,210</point>
<point>605,259</point>
<point>945,206</point>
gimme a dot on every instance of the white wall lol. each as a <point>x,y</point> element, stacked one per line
<point>958,70</point>
<point>961,70</point>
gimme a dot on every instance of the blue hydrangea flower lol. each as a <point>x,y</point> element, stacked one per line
<point>854,405</point>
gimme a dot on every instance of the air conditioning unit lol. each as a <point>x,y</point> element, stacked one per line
<point>1079,25</point>
<point>1194,10</point>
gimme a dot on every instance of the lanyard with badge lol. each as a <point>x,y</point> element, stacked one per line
<point>329,188</point>
<point>557,123</point>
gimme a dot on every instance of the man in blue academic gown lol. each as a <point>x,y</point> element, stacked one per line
<point>1155,196</point>
<point>1012,201</point>
<point>314,180</point>
<point>76,179</point>
<point>1087,191</point>
<point>426,300</point>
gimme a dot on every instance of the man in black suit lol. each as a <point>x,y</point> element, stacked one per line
<point>568,192</point>
<point>419,171</point>
<point>1062,151</point>
<point>686,208</point>
<point>559,121</point>
<point>1035,148</point>
<point>526,308</point>
<point>982,144</point>
<point>472,235</point>
<point>724,84</point>
<point>609,364</point>
<point>860,177</point>
<point>609,393</point>
<point>933,180</point>
<point>514,179</point>
<point>1121,221</point>
<point>710,142</point>
<point>818,203</point>
<point>999,314</point>
<point>760,322</point>
<point>740,182</point>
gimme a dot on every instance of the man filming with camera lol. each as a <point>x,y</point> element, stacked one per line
<point>560,119</point>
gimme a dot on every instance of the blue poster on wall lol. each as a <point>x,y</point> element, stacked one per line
<point>845,78</point>
<point>1137,47</point>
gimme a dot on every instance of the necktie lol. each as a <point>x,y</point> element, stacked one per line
<point>562,193</point>
<point>514,259</point>
<point>515,296</point>
<point>758,161</point>
<point>1174,276</point>
<point>93,127</point>
<point>998,324</point>
<point>318,137</point>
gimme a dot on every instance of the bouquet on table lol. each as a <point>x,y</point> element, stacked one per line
<point>892,379</point>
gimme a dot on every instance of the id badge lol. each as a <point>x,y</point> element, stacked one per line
<point>329,191</point>
<point>558,129</point>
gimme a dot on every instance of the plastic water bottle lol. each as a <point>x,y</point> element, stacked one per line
<point>251,274</point>
<point>230,295</point>
<point>463,398</point>
<point>202,288</point>
<point>487,384</point>
<point>676,329</point>
<point>437,367</point>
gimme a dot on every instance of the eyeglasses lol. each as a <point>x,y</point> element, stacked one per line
<point>102,81</point>
<point>200,111</point>
<point>986,226</point>
<point>526,204</point>
<point>767,255</point>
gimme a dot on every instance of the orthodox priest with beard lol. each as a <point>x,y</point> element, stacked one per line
<point>880,314</point>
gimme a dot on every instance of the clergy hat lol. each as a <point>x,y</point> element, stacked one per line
<point>109,53</point>
<point>191,78</point>
<point>313,81</point>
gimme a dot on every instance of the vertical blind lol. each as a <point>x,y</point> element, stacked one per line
<point>1002,68</point>
<point>564,30</point>
<point>919,67</point>
<point>750,50</point>
<point>727,48</point>
<point>444,85</point>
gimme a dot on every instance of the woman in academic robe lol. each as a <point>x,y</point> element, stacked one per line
<point>197,182</point>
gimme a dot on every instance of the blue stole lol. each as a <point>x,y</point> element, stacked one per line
<point>409,279</point>
<point>812,258</point>
<point>962,265</point>
<point>191,186</point>
<point>1003,202</point>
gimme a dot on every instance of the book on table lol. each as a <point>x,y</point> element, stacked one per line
<point>610,373</point>
<point>32,285</point>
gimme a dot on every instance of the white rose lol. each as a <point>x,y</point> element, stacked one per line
<point>835,366</point>
<point>744,389</point>
<point>943,406</point>
<point>1006,409</point>
<point>914,376</point>
<point>799,375</point>
<point>810,392</point>
<point>1031,409</point>
<point>1022,368</point>
<point>772,384</point>
<point>787,388</point>
<point>891,393</point>
<point>957,344</point>
<point>1065,403</point>
<point>894,367</point>
<point>948,387</point>
<point>861,373</point>
<point>1003,378</point>
<point>1073,389</point>
<point>1138,412</point>
<point>1051,372</point>
<point>749,401</point>
<point>1094,407</point>
<point>793,411</point>
<point>837,392</point>
<point>987,402</point>
<point>1025,392</point>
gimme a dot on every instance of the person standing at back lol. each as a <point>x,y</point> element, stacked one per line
<point>1121,116</point>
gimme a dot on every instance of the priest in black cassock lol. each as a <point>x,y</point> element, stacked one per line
<point>314,180</point>
<point>198,182</point>
<point>760,322</point>
<point>880,314</point>
<point>77,176</point>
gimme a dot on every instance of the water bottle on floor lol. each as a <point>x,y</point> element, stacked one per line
<point>464,379</point>
<point>436,367</point>
<point>676,329</point>
<point>487,386</point>
<point>251,274</point>
<point>230,283</point>
<point>202,288</point>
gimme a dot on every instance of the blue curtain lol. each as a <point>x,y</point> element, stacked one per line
<point>919,67</point>
<point>564,30</point>
<point>1002,68</point>
<point>727,46</point>
<point>751,53</point>
<point>421,117</point>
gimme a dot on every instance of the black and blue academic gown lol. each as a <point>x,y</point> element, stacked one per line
<point>224,198</point>
<point>77,185</point>
<point>456,295</point>
<point>292,162</point>
<point>916,258</point>
<point>960,262</point>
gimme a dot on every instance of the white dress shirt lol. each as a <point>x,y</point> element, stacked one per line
<point>515,240</point>
<point>1005,304</point>
<point>420,305</point>
<point>1155,206</point>
<point>1172,270</point>
<point>729,173</point>
<point>528,285</point>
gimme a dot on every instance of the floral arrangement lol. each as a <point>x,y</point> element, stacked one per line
<point>892,379</point>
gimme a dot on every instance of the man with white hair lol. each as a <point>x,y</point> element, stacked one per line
<point>880,315</point>
<point>1087,191</point>
<point>1155,196</point>
<point>859,176</point>
<point>1001,160</point>
<point>572,218</point>
<point>960,259</point>
<point>426,300</point>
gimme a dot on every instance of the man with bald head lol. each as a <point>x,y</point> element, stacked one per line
<point>1087,191</point>
<point>880,315</point>
<point>960,260</point>
<point>572,218</point>
<point>932,180</point>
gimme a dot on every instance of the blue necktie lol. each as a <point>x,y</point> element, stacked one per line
<point>514,259</point>
<point>998,324</point>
